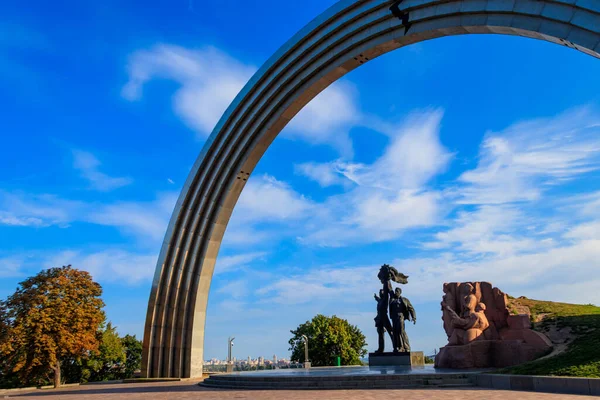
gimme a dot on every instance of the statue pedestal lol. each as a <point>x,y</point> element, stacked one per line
<point>413,358</point>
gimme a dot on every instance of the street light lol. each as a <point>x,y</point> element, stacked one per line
<point>229,353</point>
<point>230,342</point>
<point>306,362</point>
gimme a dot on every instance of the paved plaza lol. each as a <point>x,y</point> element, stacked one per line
<point>191,390</point>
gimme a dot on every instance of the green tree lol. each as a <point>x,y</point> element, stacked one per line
<point>109,361</point>
<point>328,337</point>
<point>52,317</point>
<point>133,351</point>
<point>117,358</point>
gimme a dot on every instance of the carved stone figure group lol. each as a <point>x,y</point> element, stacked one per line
<point>472,321</point>
<point>400,310</point>
<point>482,331</point>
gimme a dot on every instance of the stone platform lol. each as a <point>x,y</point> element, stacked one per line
<point>343,378</point>
<point>413,358</point>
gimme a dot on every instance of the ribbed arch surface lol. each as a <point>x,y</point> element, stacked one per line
<point>349,34</point>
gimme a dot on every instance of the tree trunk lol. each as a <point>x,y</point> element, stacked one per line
<point>57,375</point>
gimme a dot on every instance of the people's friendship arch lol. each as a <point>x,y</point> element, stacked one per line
<point>344,37</point>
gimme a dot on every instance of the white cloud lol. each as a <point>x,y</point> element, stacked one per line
<point>113,265</point>
<point>323,284</point>
<point>11,267</point>
<point>585,205</point>
<point>7,218</point>
<point>240,234</point>
<point>88,165</point>
<point>389,196</point>
<point>367,217</point>
<point>237,262</point>
<point>209,81</point>
<point>496,229</point>
<point>588,230</point>
<point>414,156</point>
<point>37,210</point>
<point>142,219</point>
<point>325,174</point>
<point>267,211</point>
<point>266,199</point>
<point>531,274</point>
<point>328,118</point>
<point>235,289</point>
<point>519,163</point>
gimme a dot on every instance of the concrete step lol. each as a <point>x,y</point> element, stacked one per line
<point>301,378</point>
<point>338,382</point>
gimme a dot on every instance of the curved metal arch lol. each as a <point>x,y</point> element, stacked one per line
<point>347,35</point>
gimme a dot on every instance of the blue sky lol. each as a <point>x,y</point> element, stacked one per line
<point>462,158</point>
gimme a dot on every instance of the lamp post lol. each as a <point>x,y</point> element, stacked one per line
<point>306,362</point>
<point>229,353</point>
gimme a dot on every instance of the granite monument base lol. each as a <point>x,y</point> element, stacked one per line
<point>413,359</point>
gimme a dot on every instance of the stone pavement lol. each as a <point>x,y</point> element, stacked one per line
<point>190,390</point>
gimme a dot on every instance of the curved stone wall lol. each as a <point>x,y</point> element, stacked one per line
<point>349,34</point>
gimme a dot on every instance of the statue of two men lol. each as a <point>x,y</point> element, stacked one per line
<point>400,310</point>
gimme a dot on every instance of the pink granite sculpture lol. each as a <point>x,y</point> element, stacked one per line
<point>481,333</point>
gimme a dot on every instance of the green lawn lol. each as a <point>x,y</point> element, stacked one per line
<point>582,358</point>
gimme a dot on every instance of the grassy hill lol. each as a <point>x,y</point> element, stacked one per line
<point>574,330</point>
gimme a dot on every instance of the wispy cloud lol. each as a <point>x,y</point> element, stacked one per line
<point>37,210</point>
<point>490,229</point>
<point>322,284</point>
<point>235,289</point>
<point>142,219</point>
<point>531,273</point>
<point>11,266</point>
<point>328,118</point>
<point>389,196</point>
<point>112,265</point>
<point>520,162</point>
<point>268,211</point>
<point>325,174</point>
<point>237,262</point>
<point>209,80</point>
<point>268,199</point>
<point>6,218</point>
<point>88,165</point>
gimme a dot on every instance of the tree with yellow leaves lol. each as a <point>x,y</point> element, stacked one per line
<point>53,316</point>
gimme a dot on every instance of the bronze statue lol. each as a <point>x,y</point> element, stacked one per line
<point>401,310</point>
<point>382,321</point>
